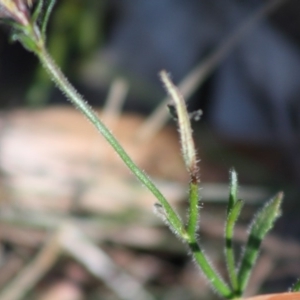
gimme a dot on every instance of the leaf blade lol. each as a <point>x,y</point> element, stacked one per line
<point>260,226</point>
<point>45,20</point>
<point>229,252</point>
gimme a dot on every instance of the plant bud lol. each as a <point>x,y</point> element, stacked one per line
<point>183,120</point>
<point>18,10</point>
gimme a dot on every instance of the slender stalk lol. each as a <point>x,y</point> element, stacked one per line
<point>75,98</point>
<point>33,41</point>
<point>172,217</point>
<point>211,274</point>
<point>194,212</point>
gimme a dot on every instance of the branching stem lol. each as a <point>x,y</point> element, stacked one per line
<point>33,40</point>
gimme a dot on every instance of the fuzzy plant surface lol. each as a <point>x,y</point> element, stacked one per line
<point>28,21</point>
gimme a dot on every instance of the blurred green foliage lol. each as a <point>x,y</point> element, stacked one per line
<point>76,30</point>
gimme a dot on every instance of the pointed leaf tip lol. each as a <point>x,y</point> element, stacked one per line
<point>233,190</point>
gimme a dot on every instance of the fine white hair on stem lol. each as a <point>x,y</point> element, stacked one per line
<point>184,124</point>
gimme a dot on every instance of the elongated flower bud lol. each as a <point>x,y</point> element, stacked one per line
<point>185,130</point>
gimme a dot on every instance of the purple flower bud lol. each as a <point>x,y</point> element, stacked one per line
<point>17,10</point>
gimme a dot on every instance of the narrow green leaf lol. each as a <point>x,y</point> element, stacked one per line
<point>45,20</point>
<point>296,286</point>
<point>37,11</point>
<point>233,190</point>
<point>262,223</point>
<point>229,252</point>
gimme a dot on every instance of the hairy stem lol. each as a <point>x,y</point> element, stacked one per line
<point>192,238</point>
<point>208,270</point>
<point>76,99</point>
<point>171,215</point>
<point>229,251</point>
<point>194,212</point>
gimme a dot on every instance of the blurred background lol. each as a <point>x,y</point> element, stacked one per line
<point>236,60</point>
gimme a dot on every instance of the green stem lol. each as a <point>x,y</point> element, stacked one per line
<point>194,212</point>
<point>210,273</point>
<point>172,217</point>
<point>76,99</point>
<point>192,228</point>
